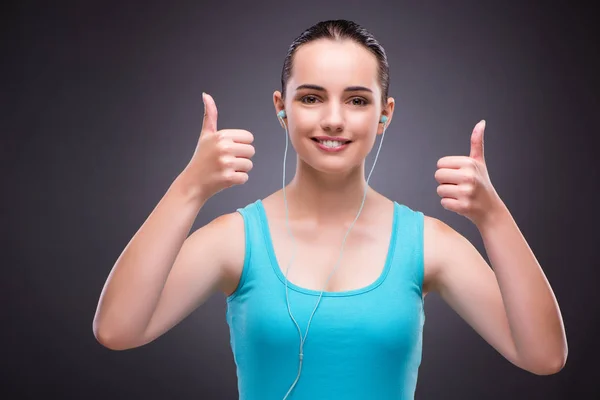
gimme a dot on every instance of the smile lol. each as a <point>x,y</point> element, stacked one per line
<point>331,145</point>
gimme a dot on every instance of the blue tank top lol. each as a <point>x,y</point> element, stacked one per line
<point>362,344</point>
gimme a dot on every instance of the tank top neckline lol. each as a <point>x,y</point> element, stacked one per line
<point>279,273</point>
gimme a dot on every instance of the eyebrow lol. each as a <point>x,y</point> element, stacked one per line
<point>322,89</point>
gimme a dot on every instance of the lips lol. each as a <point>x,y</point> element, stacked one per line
<point>334,139</point>
<point>331,149</point>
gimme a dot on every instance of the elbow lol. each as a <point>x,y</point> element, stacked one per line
<point>548,369</point>
<point>549,366</point>
<point>110,340</point>
<point>545,360</point>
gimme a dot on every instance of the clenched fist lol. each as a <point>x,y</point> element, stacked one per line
<point>222,157</point>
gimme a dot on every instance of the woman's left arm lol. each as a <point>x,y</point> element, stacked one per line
<point>515,300</point>
<point>532,309</point>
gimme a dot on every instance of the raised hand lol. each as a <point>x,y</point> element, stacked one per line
<point>222,157</point>
<point>464,183</point>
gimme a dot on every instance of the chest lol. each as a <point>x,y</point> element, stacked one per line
<point>321,254</point>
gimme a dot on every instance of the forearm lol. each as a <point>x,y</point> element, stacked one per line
<point>531,307</point>
<point>135,283</point>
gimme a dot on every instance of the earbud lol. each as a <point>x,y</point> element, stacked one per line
<point>383,119</point>
<point>281,114</point>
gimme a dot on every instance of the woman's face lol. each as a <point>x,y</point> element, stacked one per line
<point>333,91</point>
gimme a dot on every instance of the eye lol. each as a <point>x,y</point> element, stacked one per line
<point>361,101</point>
<point>308,97</point>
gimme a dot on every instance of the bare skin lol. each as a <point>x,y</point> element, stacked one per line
<point>318,245</point>
<point>163,276</point>
<point>511,306</point>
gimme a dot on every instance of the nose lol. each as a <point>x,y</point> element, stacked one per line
<point>333,119</point>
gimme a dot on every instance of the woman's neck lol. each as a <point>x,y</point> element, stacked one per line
<point>327,199</point>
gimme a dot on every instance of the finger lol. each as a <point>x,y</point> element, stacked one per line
<point>238,136</point>
<point>242,150</point>
<point>477,141</point>
<point>237,178</point>
<point>449,191</point>
<point>209,123</point>
<point>450,204</point>
<point>454,162</point>
<point>450,176</point>
<point>242,165</point>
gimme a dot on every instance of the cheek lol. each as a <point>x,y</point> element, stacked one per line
<point>303,123</point>
<point>298,132</point>
<point>305,118</point>
<point>363,127</point>
<point>367,127</point>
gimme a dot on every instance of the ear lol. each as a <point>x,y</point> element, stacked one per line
<point>388,111</point>
<point>278,104</point>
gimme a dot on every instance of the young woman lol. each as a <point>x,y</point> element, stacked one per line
<point>325,279</point>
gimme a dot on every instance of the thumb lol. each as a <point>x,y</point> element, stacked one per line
<point>209,123</point>
<point>477,141</point>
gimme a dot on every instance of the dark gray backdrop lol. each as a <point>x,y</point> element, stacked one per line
<point>102,109</point>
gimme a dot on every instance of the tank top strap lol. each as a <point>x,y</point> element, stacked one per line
<point>257,270</point>
<point>407,269</point>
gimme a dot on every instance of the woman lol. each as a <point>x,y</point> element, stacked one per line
<point>365,339</point>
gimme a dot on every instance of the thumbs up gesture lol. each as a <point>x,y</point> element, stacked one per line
<point>464,183</point>
<point>222,157</point>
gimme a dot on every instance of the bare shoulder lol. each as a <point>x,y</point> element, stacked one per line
<point>446,251</point>
<point>227,235</point>
<point>436,237</point>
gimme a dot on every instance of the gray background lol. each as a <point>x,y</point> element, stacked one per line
<point>102,109</point>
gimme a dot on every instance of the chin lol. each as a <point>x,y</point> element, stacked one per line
<point>338,166</point>
<point>334,163</point>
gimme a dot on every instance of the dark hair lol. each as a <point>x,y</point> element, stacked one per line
<point>339,30</point>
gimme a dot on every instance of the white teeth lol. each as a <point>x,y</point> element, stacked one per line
<point>331,143</point>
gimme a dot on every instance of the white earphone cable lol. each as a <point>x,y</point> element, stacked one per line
<point>302,340</point>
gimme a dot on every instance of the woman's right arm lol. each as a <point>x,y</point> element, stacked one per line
<point>161,277</point>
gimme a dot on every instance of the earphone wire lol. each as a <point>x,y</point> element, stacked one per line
<point>302,340</point>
